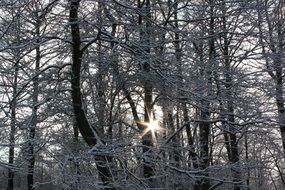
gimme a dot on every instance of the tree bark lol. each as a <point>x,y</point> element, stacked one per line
<point>276,48</point>
<point>90,134</point>
<point>32,130</point>
<point>10,185</point>
<point>11,157</point>
<point>204,125</point>
<point>231,140</point>
<point>147,140</point>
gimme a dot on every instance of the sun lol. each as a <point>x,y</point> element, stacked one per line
<point>153,127</point>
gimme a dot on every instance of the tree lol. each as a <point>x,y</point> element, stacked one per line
<point>141,94</point>
<point>90,135</point>
<point>271,38</point>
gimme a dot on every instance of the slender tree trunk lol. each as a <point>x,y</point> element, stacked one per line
<point>169,125</point>
<point>276,69</point>
<point>279,70</point>
<point>204,125</point>
<point>147,140</point>
<point>76,151</point>
<point>11,151</point>
<point>178,56</point>
<point>231,141</point>
<point>32,130</point>
<point>101,99</point>
<point>234,154</point>
<point>31,165</point>
<point>12,134</point>
<point>247,160</point>
<point>114,58</point>
<point>90,134</point>
<point>13,105</point>
<point>280,104</point>
<point>11,172</point>
<point>168,118</point>
<point>100,79</point>
<point>204,132</point>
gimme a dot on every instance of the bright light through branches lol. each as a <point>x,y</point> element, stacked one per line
<point>153,127</point>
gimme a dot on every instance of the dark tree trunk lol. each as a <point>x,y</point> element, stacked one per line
<point>279,70</point>
<point>204,124</point>
<point>100,78</point>
<point>32,130</point>
<point>280,105</point>
<point>90,134</point>
<point>178,56</point>
<point>147,139</point>
<point>11,172</point>
<point>276,69</point>
<point>31,165</point>
<point>204,132</point>
<point>231,138</point>
<point>10,185</point>
<point>175,140</point>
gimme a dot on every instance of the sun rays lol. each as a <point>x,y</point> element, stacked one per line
<point>153,127</point>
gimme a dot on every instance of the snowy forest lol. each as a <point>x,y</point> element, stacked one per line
<point>142,94</point>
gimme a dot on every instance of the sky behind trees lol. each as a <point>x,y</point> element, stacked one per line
<point>166,94</point>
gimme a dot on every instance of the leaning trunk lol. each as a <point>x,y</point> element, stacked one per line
<point>89,133</point>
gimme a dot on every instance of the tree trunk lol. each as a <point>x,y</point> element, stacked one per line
<point>32,130</point>
<point>280,105</point>
<point>147,139</point>
<point>231,140</point>
<point>277,51</point>
<point>279,72</point>
<point>90,134</point>
<point>12,134</point>
<point>10,185</point>
<point>100,79</point>
<point>204,124</point>
<point>178,56</point>
<point>11,157</point>
<point>204,132</point>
